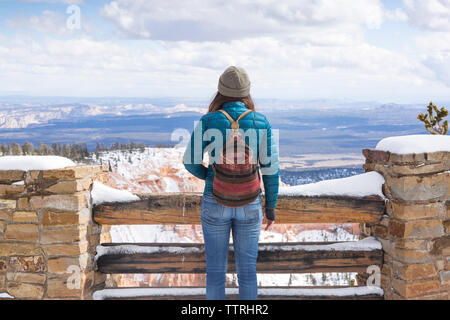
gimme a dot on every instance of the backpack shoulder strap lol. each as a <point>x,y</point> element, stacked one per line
<point>235,124</point>
<point>243,115</point>
<point>227,115</point>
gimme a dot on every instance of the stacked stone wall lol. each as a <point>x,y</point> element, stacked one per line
<point>415,232</point>
<point>47,235</point>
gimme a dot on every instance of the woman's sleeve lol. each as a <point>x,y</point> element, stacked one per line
<point>193,156</point>
<point>270,168</point>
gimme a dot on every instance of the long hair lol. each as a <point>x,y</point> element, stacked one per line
<point>219,100</point>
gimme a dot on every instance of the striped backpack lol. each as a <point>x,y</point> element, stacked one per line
<point>236,180</point>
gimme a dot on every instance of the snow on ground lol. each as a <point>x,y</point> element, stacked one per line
<point>315,235</point>
<point>101,193</point>
<point>415,144</point>
<point>136,292</point>
<point>367,244</point>
<point>171,185</point>
<point>26,163</point>
<point>4,295</point>
<point>193,234</point>
<point>301,279</point>
<point>367,184</point>
<point>150,170</point>
<point>156,233</point>
<point>338,234</point>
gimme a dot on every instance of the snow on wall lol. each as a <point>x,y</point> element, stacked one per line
<point>101,193</point>
<point>26,163</point>
<point>367,184</point>
<point>4,295</point>
<point>142,292</point>
<point>422,143</point>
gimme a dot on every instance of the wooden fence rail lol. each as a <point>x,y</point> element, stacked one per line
<point>278,258</point>
<point>272,258</point>
<point>184,208</point>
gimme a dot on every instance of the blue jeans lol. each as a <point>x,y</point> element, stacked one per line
<point>245,223</point>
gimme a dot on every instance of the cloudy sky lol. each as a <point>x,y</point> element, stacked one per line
<point>371,50</point>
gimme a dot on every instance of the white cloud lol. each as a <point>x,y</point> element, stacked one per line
<point>47,22</point>
<point>55,1</point>
<point>88,67</point>
<point>429,14</point>
<point>434,51</point>
<point>290,49</point>
<point>432,19</point>
<point>396,15</point>
<point>209,20</point>
<point>53,23</point>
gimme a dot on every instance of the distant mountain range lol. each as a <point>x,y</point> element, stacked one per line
<point>22,116</point>
<point>305,127</point>
<point>294,178</point>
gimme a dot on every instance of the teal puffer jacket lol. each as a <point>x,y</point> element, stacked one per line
<point>216,120</point>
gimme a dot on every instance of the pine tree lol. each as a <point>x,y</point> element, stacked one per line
<point>433,123</point>
<point>27,148</point>
<point>16,149</point>
<point>4,149</point>
<point>66,151</point>
<point>114,146</point>
<point>57,148</point>
<point>84,150</point>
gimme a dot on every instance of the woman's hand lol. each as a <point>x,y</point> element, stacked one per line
<point>269,223</point>
<point>269,217</point>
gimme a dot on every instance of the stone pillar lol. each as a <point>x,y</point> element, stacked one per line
<point>47,235</point>
<point>415,232</point>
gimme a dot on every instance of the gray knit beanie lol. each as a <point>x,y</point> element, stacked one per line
<point>234,82</point>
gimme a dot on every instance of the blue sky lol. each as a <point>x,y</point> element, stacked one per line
<point>371,50</point>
